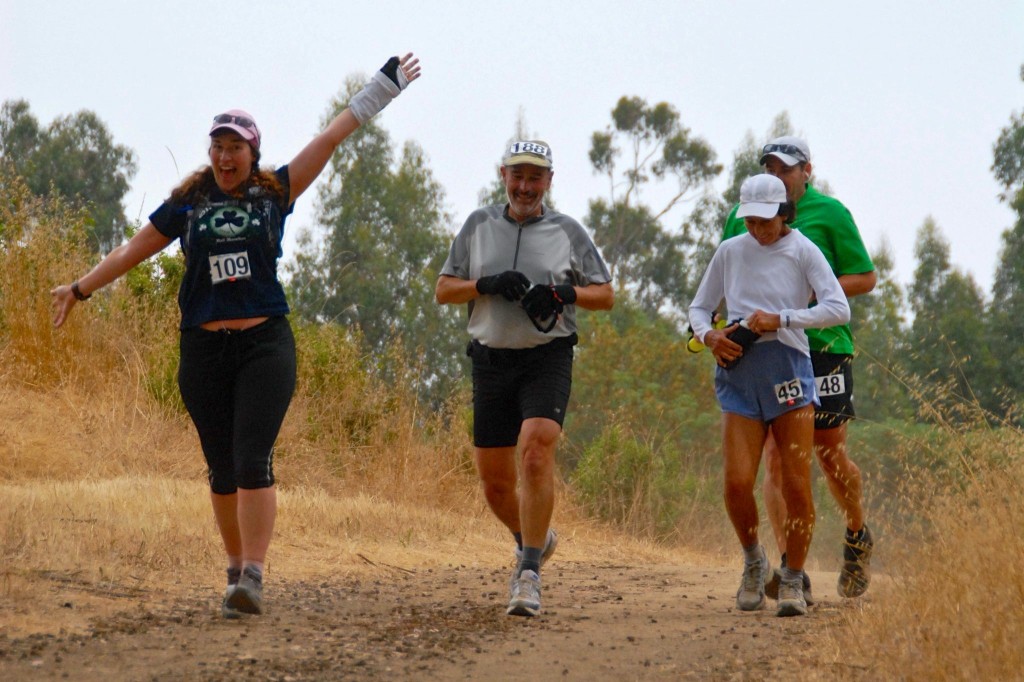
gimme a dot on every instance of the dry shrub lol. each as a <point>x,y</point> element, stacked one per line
<point>65,434</point>
<point>949,600</point>
<point>351,428</point>
<point>41,242</point>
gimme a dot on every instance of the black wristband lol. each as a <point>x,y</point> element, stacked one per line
<point>78,292</point>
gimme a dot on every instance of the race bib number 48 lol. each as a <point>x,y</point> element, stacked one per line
<point>229,267</point>
<point>831,384</point>
<point>788,391</point>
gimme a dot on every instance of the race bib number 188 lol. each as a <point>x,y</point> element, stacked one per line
<point>229,267</point>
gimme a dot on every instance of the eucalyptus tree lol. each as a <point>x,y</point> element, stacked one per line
<point>74,157</point>
<point>647,147</point>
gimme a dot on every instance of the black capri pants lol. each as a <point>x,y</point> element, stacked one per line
<point>237,386</point>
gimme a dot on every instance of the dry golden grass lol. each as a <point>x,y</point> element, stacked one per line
<point>953,602</point>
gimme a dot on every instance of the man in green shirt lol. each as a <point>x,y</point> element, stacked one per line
<point>827,223</point>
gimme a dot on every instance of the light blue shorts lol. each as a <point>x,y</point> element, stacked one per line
<point>771,379</point>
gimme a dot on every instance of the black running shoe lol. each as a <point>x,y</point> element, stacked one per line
<point>856,571</point>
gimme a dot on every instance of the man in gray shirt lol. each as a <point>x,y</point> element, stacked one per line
<point>523,269</point>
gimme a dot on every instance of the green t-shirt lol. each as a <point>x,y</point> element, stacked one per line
<point>827,223</point>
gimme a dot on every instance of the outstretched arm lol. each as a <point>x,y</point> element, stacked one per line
<point>309,162</point>
<point>146,242</point>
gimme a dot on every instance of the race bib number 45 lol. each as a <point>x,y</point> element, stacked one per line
<point>229,267</point>
<point>831,384</point>
<point>789,391</point>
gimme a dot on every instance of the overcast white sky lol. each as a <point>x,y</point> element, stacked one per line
<point>900,102</point>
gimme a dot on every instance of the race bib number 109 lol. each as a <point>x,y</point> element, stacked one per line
<point>229,267</point>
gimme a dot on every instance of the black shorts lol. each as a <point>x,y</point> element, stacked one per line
<point>510,385</point>
<point>833,378</point>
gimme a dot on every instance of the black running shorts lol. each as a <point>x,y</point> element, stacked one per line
<point>510,385</point>
<point>833,378</point>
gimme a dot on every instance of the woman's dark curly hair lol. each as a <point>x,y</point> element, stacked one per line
<point>202,184</point>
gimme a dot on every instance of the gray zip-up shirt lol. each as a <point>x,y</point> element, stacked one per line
<point>549,249</point>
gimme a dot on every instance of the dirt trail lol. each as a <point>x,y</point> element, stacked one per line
<point>600,622</point>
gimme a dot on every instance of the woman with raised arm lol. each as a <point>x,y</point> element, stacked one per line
<point>237,370</point>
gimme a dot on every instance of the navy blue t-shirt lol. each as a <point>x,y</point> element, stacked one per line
<point>231,249</point>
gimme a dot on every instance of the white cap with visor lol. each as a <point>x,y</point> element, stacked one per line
<point>761,196</point>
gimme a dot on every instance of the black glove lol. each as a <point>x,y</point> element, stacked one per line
<point>540,302</point>
<point>565,293</point>
<point>744,337</point>
<point>511,284</point>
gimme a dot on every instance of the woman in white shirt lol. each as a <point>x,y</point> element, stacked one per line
<point>775,283</point>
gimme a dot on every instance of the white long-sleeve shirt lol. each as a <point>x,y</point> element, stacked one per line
<point>779,278</point>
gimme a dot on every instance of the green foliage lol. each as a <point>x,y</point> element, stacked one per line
<point>636,369</point>
<point>1006,316</point>
<point>945,347</point>
<point>377,253</point>
<point>75,158</point>
<point>877,322</point>
<point>643,425</point>
<point>621,480</point>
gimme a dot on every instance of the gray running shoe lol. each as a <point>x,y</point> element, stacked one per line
<point>791,599</point>
<point>855,574</point>
<point>771,588</point>
<point>549,548</point>
<point>525,599</point>
<point>233,576</point>
<point>247,597</point>
<point>750,596</point>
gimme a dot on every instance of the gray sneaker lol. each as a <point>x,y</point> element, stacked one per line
<point>791,599</point>
<point>549,548</point>
<point>771,588</point>
<point>247,597</point>
<point>855,574</point>
<point>525,599</point>
<point>233,576</point>
<point>750,596</point>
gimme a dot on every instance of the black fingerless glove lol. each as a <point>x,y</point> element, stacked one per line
<point>511,284</point>
<point>390,69</point>
<point>565,293</point>
<point>540,302</point>
<point>545,300</point>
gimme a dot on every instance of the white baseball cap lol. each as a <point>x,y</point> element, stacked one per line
<point>760,196</point>
<point>788,149</point>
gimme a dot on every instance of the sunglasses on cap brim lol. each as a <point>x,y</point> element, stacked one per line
<point>240,120</point>
<point>790,149</point>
